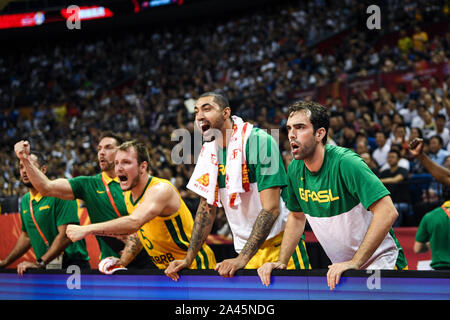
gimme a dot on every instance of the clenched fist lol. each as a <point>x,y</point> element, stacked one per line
<point>22,149</point>
<point>75,232</point>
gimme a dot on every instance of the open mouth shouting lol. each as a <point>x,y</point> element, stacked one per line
<point>204,126</point>
<point>207,130</point>
<point>124,182</point>
<point>295,147</point>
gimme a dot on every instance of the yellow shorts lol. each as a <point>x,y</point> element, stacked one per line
<point>270,250</point>
<point>205,259</point>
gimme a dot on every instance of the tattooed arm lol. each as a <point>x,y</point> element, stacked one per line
<point>159,200</point>
<point>203,223</point>
<point>204,220</point>
<point>132,248</point>
<point>270,200</point>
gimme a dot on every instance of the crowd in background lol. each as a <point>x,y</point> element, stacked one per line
<point>61,96</point>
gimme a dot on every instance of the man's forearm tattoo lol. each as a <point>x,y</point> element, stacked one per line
<point>204,220</point>
<point>110,234</point>
<point>260,231</point>
<point>133,245</point>
<point>132,248</point>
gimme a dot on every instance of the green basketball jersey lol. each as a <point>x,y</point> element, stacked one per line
<point>336,202</point>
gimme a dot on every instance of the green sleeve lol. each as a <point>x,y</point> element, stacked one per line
<point>265,161</point>
<point>25,199</point>
<point>66,212</point>
<point>360,181</point>
<point>78,185</point>
<point>422,234</point>
<point>292,202</point>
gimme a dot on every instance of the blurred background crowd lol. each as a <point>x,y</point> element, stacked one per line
<point>60,95</point>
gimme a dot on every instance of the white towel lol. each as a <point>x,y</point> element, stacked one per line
<point>204,178</point>
<point>109,265</point>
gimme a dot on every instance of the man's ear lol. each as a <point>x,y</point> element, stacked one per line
<point>226,112</point>
<point>320,133</point>
<point>144,166</point>
<point>44,169</point>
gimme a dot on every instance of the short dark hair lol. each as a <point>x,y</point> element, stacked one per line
<point>219,98</point>
<point>110,134</point>
<point>399,156</point>
<point>141,150</point>
<point>436,136</point>
<point>318,115</point>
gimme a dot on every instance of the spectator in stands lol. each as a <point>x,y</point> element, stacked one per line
<point>415,89</point>
<point>419,41</point>
<point>418,120</point>
<point>436,153</point>
<point>381,152</point>
<point>441,130</point>
<point>401,98</point>
<point>404,42</point>
<point>428,123</point>
<point>400,136</point>
<point>435,90</point>
<point>348,139</point>
<point>395,179</point>
<point>371,163</point>
<point>387,125</point>
<point>410,112</point>
<point>403,162</point>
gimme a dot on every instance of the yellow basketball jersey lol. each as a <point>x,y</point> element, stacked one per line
<point>167,238</point>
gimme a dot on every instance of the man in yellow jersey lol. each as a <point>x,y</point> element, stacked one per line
<point>157,213</point>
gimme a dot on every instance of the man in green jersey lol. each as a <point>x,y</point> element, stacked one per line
<point>44,223</point>
<point>255,213</point>
<point>101,194</point>
<point>347,206</point>
<point>434,233</point>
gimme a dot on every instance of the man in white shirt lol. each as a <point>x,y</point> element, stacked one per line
<point>410,112</point>
<point>384,145</point>
<point>441,130</point>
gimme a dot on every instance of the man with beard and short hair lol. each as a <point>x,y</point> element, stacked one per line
<point>240,168</point>
<point>44,221</point>
<point>347,206</point>
<point>101,194</point>
<point>157,213</point>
